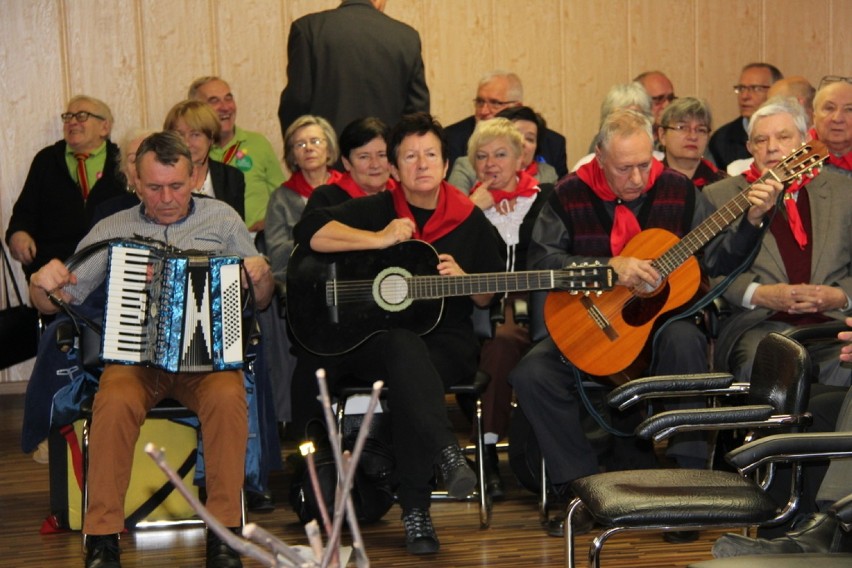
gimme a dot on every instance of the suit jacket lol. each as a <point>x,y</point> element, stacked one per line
<point>728,143</point>
<point>352,62</point>
<point>229,185</point>
<point>552,145</point>
<point>51,208</point>
<point>831,221</point>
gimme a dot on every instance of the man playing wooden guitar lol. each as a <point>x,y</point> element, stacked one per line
<point>592,215</point>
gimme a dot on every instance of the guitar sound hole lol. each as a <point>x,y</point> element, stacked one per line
<point>640,311</point>
<point>393,289</point>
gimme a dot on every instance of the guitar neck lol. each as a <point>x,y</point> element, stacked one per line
<point>431,287</point>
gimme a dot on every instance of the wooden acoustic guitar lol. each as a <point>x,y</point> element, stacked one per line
<point>337,301</point>
<point>603,336</point>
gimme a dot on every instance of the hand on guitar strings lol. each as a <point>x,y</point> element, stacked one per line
<point>799,298</point>
<point>447,266</point>
<point>762,197</point>
<point>639,275</point>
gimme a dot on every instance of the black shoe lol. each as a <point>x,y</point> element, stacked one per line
<point>493,481</point>
<point>420,537</point>
<point>260,502</point>
<point>102,551</point>
<point>459,479</point>
<point>820,533</point>
<point>680,537</point>
<point>583,523</point>
<point>219,554</point>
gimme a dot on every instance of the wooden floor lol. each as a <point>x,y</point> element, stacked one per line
<point>515,538</point>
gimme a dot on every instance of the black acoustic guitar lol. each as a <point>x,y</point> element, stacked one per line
<point>337,301</point>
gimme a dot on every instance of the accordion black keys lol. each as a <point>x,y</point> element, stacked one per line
<point>174,311</point>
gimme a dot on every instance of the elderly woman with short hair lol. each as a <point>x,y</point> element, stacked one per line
<point>511,200</point>
<point>197,124</point>
<point>683,133</point>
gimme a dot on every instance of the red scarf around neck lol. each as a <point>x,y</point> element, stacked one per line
<point>753,174</point>
<point>453,208</point>
<point>625,226</point>
<point>843,162</point>
<point>351,187</point>
<point>300,185</point>
<point>532,169</point>
<point>527,185</point>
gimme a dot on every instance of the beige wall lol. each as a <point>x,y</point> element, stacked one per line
<point>140,56</point>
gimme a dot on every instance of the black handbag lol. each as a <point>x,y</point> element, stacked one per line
<point>19,325</point>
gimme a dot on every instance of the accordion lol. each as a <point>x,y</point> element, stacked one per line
<point>180,312</point>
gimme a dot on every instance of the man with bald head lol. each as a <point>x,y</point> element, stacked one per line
<point>66,183</point>
<point>498,90</point>
<point>661,91</point>
<point>798,88</point>
<point>833,121</point>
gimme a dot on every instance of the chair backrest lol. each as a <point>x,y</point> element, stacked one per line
<point>780,375</point>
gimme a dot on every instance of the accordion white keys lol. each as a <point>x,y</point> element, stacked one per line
<point>174,311</point>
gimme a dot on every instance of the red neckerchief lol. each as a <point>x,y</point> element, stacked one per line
<point>700,182</point>
<point>532,169</point>
<point>347,184</point>
<point>752,174</point>
<point>453,208</point>
<point>843,162</point>
<point>624,224</point>
<point>300,185</point>
<point>527,185</point>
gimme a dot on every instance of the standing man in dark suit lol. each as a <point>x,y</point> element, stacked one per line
<point>352,62</point>
<point>728,143</point>
<point>498,90</point>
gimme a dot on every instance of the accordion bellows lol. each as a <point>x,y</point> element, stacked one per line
<point>174,311</point>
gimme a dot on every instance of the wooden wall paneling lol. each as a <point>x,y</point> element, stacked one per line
<point>595,52</point>
<point>729,36</point>
<point>178,39</point>
<point>251,56</point>
<point>103,58</point>
<point>532,49</point>
<point>840,29</point>
<point>458,48</point>
<point>797,38</point>
<point>662,37</point>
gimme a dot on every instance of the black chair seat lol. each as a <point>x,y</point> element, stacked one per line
<point>779,561</point>
<point>662,497</point>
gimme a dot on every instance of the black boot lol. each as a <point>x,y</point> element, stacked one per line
<point>820,533</point>
<point>219,554</point>
<point>102,551</point>
<point>420,537</point>
<point>459,479</point>
<point>493,481</point>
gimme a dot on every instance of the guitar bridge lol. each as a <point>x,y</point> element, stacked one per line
<point>599,319</point>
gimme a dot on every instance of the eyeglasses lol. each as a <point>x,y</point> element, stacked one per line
<point>492,103</point>
<point>829,79</point>
<point>756,89</point>
<point>302,144</point>
<point>81,116</point>
<point>660,99</point>
<point>685,128</point>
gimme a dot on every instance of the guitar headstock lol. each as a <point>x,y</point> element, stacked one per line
<point>585,277</point>
<point>801,161</point>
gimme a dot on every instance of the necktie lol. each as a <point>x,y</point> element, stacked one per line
<point>82,178</point>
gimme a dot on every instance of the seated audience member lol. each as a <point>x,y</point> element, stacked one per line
<point>416,369</point>
<point>728,143</point>
<point>198,126</point>
<point>628,95</point>
<point>511,199</point>
<point>802,273</point>
<point>833,121</point>
<point>634,191</point>
<point>532,128</point>
<point>250,152</point>
<point>127,169</point>
<point>171,214</point>
<point>661,91</point>
<point>65,184</point>
<point>496,91</point>
<point>683,133</point>
<point>310,147</point>
<point>796,87</point>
